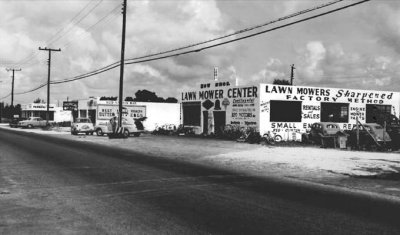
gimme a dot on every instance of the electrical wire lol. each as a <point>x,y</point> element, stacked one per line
<point>242,30</point>
<point>88,29</point>
<point>193,45</point>
<point>116,64</point>
<point>57,36</point>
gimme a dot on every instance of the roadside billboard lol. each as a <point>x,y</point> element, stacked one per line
<point>130,112</point>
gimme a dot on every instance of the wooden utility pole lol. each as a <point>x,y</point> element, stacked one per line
<point>292,74</point>
<point>121,75</point>
<point>48,79</point>
<point>12,84</point>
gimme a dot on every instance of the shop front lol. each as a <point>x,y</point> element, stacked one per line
<point>212,106</point>
<point>287,111</point>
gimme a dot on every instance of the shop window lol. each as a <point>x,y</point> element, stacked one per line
<point>375,113</point>
<point>334,112</point>
<point>285,111</point>
<point>191,113</point>
<point>82,113</point>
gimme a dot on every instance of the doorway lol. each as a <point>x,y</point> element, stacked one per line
<point>219,122</point>
<point>205,122</point>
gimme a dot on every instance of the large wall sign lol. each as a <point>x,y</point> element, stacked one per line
<point>240,103</point>
<point>342,106</point>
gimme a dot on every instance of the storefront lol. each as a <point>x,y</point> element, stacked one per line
<point>56,114</point>
<point>214,105</point>
<point>157,114</point>
<point>284,110</point>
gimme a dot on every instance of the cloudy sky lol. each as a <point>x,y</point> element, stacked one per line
<point>358,47</point>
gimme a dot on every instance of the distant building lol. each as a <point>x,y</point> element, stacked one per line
<point>56,114</point>
<point>158,114</point>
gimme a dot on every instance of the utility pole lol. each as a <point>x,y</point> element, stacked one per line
<point>48,79</point>
<point>12,84</point>
<point>292,74</point>
<point>121,75</point>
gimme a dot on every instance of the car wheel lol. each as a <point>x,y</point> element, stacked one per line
<point>126,133</point>
<point>137,134</point>
<point>30,126</point>
<point>278,138</point>
<point>99,132</point>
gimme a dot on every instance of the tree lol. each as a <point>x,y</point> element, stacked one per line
<point>113,98</point>
<point>171,100</point>
<point>281,82</point>
<point>147,96</point>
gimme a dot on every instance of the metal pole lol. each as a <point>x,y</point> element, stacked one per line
<point>358,133</point>
<point>121,75</point>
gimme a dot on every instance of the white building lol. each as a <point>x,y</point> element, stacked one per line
<point>56,114</point>
<point>284,110</point>
<point>158,114</point>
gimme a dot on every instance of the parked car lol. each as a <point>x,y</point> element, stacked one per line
<point>371,136</point>
<point>82,125</point>
<point>131,128</point>
<point>32,122</point>
<point>321,130</point>
<point>14,121</point>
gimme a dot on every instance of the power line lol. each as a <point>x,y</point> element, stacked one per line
<point>57,36</point>
<point>116,64</point>
<point>243,30</point>
<point>193,45</point>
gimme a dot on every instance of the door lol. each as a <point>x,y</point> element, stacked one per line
<point>219,122</point>
<point>205,122</point>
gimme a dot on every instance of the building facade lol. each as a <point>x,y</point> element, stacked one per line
<point>287,111</point>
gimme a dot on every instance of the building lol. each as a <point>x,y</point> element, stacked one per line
<point>157,114</point>
<point>56,114</point>
<point>284,110</point>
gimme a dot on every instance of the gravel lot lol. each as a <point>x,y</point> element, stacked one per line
<point>374,172</point>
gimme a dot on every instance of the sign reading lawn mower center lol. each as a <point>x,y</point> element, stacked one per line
<point>287,110</point>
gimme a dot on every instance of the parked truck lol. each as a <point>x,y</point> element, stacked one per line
<point>132,118</point>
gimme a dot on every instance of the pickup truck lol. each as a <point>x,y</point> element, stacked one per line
<point>32,122</point>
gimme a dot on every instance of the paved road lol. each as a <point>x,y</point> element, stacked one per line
<point>58,186</point>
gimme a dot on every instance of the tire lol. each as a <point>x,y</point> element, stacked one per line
<point>99,132</point>
<point>136,134</point>
<point>126,133</point>
<point>30,126</point>
<point>278,138</point>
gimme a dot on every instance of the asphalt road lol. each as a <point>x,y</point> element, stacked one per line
<point>57,186</point>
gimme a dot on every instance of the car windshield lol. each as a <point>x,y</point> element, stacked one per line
<point>82,120</point>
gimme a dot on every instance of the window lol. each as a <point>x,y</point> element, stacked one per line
<point>191,113</point>
<point>285,111</point>
<point>376,113</point>
<point>334,112</point>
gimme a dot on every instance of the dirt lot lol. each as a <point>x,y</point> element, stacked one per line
<point>374,172</point>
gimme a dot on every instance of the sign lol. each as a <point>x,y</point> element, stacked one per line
<point>70,105</point>
<point>130,112</point>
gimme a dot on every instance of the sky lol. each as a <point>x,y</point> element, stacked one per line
<point>358,47</point>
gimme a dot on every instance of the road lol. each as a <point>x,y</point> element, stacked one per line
<point>50,185</point>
